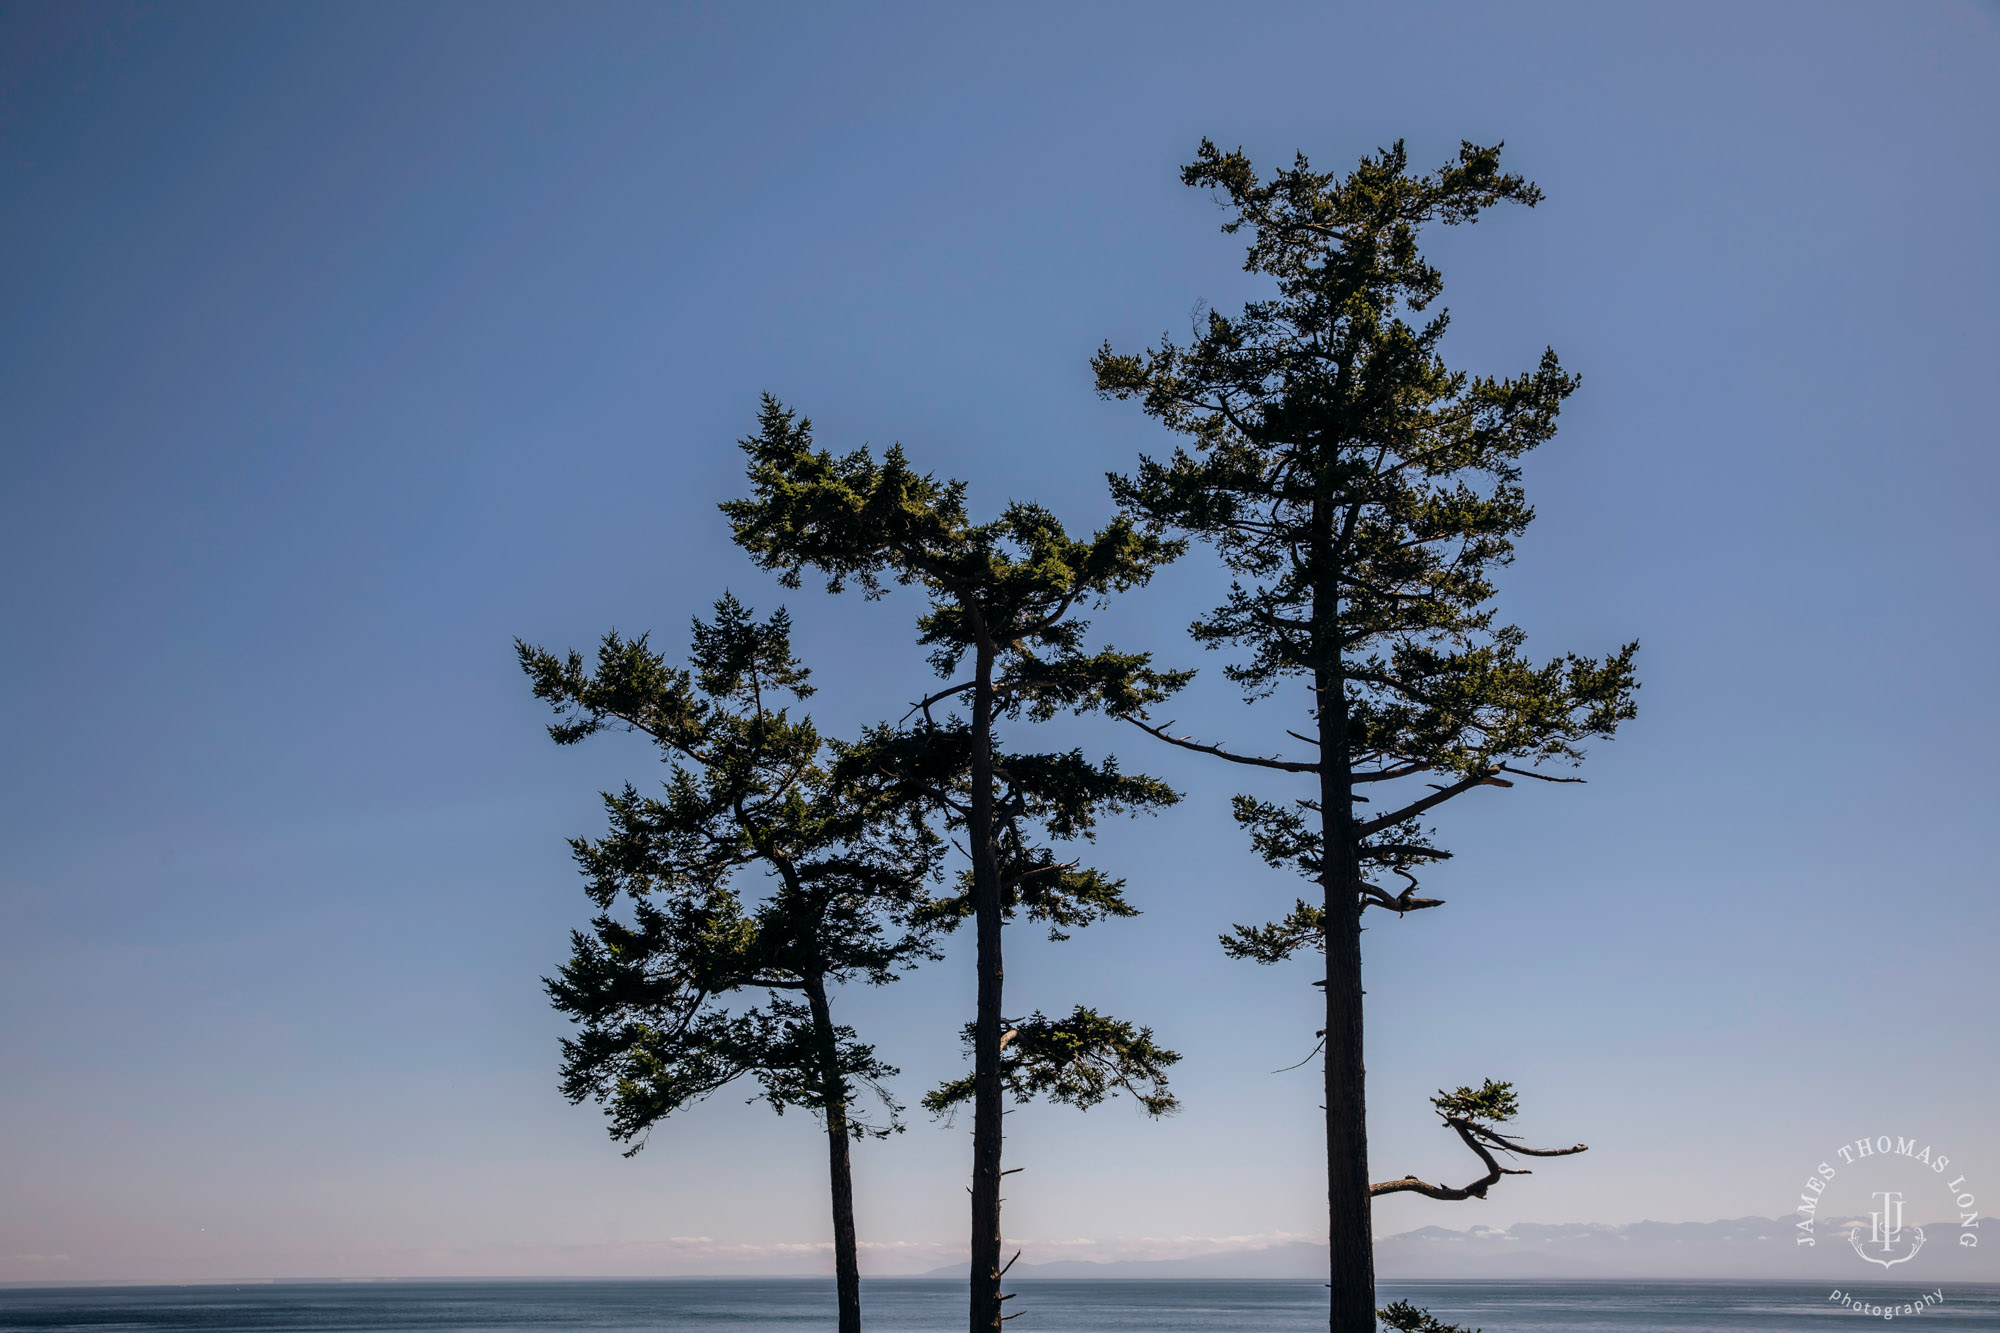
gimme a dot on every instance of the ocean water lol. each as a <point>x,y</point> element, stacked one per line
<point>927,1305</point>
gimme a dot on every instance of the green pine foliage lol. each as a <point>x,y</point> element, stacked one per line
<point>754,880</point>
<point>1487,1105</point>
<point>1363,493</point>
<point>1079,1060</point>
<point>1403,1317</point>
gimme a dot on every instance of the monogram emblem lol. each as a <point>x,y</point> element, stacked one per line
<point>1886,1232</point>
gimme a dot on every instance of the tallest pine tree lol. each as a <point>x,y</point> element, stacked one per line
<point>1362,492</point>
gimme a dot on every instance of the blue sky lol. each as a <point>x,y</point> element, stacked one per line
<point>339,345</point>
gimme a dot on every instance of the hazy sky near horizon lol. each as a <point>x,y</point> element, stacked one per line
<point>340,344</point>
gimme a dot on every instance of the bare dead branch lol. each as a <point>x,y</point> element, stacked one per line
<point>1282,765</point>
<point>1016,881</point>
<point>1406,901</point>
<point>1476,1137</point>
<point>1530,773</point>
<point>1508,1145</point>
<point>1477,778</point>
<point>1387,774</point>
<point>1315,1051</point>
<point>1415,849</point>
<point>924,705</point>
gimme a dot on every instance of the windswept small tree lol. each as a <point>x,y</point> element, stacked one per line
<point>1003,628</point>
<point>1475,1114</point>
<point>1362,492</point>
<point>662,992</point>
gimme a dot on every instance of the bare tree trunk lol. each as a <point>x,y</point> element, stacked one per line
<point>846,1249</point>
<point>986,1105</point>
<point>1350,1233</point>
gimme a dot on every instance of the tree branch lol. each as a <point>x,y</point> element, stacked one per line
<point>1529,773</point>
<point>1475,1136</point>
<point>924,705</point>
<point>1401,903</point>
<point>1387,774</point>
<point>1282,765</point>
<point>1478,778</point>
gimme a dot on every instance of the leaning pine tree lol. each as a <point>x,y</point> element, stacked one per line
<point>682,987</point>
<point>1362,492</point>
<point>1002,622</point>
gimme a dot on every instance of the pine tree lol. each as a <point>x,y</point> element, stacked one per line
<point>1002,626</point>
<point>1362,492</point>
<point>846,898</point>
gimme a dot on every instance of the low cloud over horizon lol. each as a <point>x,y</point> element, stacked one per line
<point>1748,1247</point>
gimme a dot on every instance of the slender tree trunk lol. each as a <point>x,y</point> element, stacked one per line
<point>1350,1233</point>
<point>846,1249</point>
<point>986,1105</point>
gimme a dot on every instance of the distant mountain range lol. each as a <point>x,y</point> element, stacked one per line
<point>1743,1247</point>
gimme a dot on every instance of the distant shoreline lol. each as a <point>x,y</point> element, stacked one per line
<point>931,1279</point>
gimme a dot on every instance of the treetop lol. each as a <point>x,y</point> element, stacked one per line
<point>1010,583</point>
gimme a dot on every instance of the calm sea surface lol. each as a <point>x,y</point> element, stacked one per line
<point>918,1305</point>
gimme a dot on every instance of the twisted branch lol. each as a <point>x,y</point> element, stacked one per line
<point>1469,1112</point>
